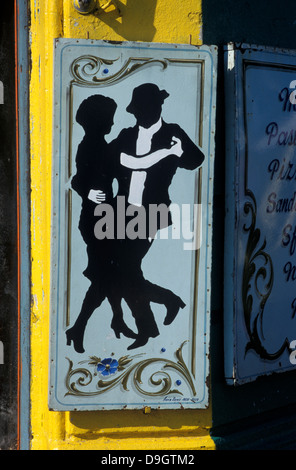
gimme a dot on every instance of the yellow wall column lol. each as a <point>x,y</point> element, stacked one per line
<point>145,20</point>
<point>46,23</point>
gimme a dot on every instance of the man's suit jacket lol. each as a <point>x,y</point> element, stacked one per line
<point>160,175</point>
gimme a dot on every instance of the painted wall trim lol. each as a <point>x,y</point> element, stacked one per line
<point>23,203</point>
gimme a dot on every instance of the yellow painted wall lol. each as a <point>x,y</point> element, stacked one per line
<point>171,21</point>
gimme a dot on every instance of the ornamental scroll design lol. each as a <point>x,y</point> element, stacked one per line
<point>258,270</point>
<point>123,371</point>
<point>89,70</point>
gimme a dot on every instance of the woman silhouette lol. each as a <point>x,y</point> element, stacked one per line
<point>94,170</point>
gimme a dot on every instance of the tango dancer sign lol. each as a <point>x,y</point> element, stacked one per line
<point>132,198</point>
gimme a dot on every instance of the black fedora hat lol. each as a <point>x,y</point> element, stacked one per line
<point>144,94</point>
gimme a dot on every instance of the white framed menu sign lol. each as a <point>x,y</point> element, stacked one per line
<point>260,234</point>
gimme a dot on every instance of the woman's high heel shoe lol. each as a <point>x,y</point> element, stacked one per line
<point>73,335</point>
<point>119,326</point>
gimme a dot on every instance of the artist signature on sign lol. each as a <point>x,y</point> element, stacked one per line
<point>180,399</point>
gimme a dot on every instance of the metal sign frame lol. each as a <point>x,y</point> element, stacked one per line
<point>259,320</point>
<point>171,370</point>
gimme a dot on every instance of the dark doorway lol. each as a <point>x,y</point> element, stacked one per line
<point>9,326</point>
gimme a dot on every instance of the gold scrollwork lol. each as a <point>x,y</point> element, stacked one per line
<point>126,370</point>
<point>87,70</point>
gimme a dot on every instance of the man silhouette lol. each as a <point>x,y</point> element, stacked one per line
<point>151,133</point>
<point>144,187</point>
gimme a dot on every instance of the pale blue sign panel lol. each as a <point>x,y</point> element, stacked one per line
<point>134,127</point>
<point>260,268</point>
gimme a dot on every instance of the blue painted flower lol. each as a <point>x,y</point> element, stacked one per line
<point>107,366</point>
